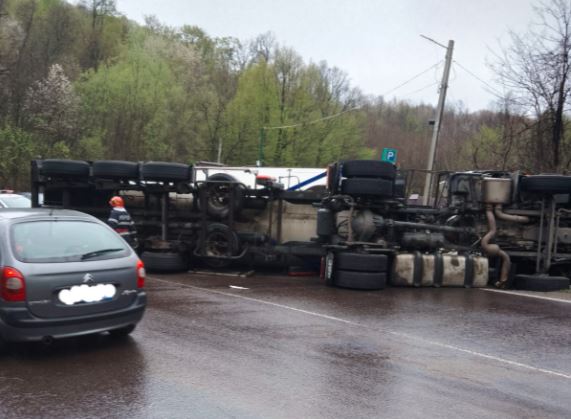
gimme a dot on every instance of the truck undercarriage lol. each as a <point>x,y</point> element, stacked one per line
<point>518,225</point>
<point>502,228</point>
<point>179,220</point>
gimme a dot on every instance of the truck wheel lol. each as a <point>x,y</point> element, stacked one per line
<point>361,262</point>
<point>367,186</point>
<point>546,184</point>
<point>220,241</point>
<point>360,280</point>
<point>65,168</point>
<point>541,283</point>
<point>166,172</point>
<point>164,261</point>
<point>115,169</point>
<point>218,199</point>
<point>369,169</point>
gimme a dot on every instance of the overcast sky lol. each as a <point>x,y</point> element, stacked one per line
<point>377,42</point>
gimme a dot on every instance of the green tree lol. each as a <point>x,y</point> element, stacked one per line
<point>18,147</point>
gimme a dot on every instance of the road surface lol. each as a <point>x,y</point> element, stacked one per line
<point>278,347</point>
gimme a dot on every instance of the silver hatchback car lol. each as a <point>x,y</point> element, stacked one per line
<point>64,273</point>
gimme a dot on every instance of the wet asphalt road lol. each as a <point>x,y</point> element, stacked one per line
<point>292,348</point>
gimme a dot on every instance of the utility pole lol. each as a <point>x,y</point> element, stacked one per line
<point>439,112</point>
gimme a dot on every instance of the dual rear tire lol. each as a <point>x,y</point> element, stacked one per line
<point>368,178</point>
<point>164,261</point>
<point>353,270</point>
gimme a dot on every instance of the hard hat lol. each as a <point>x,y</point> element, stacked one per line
<point>116,201</point>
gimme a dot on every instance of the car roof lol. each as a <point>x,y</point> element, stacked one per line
<point>22,213</point>
<point>10,195</point>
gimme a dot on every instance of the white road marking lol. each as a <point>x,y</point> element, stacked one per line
<point>539,297</point>
<point>388,331</point>
<point>236,287</point>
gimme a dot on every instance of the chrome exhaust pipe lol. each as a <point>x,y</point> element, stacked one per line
<point>498,210</point>
<point>494,249</point>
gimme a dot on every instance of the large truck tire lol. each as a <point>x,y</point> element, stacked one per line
<point>360,280</point>
<point>368,169</point>
<point>164,261</point>
<point>65,168</point>
<point>541,283</point>
<point>115,169</point>
<point>367,186</point>
<point>165,172</point>
<point>546,184</point>
<point>218,195</point>
<point>361,262</point>
<point>220,241</point>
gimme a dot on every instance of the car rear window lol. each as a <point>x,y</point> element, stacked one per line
<point>56,241</point>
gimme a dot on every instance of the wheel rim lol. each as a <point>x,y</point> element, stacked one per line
<point>217,244</point>
<point>219,196</point>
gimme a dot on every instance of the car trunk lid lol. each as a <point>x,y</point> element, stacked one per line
<point>45,283</point>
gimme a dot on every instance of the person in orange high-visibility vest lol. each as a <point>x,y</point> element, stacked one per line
<point>121,221</point>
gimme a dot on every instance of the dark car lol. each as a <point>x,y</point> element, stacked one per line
<point>63,274</point>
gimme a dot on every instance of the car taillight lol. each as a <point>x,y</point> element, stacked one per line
<point>12,285</point>
<point>141,274</point>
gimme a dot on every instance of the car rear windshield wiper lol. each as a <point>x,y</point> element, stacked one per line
<point>100,252</point>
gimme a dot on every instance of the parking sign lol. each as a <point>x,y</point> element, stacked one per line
<point>389,155</point>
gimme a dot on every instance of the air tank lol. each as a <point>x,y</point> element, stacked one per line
<point>325,222</point>
<point>439,270</point>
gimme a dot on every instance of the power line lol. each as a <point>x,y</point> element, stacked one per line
<point>412,78</point>
<point>325,118</point>
<point>494,91</point>
<point>422,88</point>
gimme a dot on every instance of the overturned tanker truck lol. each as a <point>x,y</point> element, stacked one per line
<point>485,227</point>
<point>502,228</point>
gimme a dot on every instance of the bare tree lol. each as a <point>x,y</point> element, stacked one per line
<point>263,47</point>
<point>536,68</point>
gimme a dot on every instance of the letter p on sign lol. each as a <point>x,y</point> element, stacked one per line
<point>389,155</point>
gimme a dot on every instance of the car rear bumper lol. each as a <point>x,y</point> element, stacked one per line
<point>17,324</point>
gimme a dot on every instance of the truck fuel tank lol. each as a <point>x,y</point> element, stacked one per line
<point>436,270</point>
